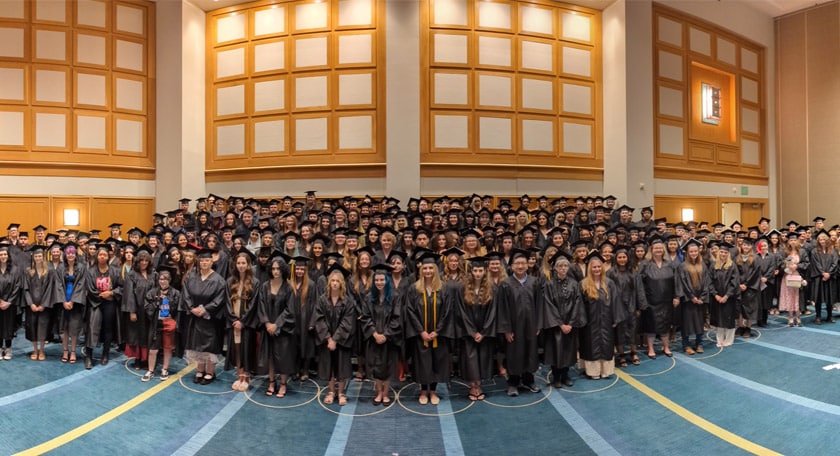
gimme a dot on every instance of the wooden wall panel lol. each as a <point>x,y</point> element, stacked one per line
<point>705,208</point>
<point>128,211</point>
<point>95,212</point>
<point>28,211</point>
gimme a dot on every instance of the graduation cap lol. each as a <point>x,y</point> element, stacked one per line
<point>337,267</point>
<point>763,219</point>
<point>206,252</point>
<point>333,255</point>
<point>655,239</point>
<point>318,237</point>
<point>517,253</point>
<point>723,245</point>
<point>818,219</point>
<point>301,260</point>
<point>428,257</point>
<point>382,268</point>
<point>164,269</point>
<point>594,255</point>
<point>184,200</point>
<point>660,220</point>
<point>137,231</point>
<point>792,222</point>
<point>35,248</point>
<point>115,226</point>
<point>691,242</point>
<point>396,254</point>
<point>735,223</point>
<point>70,245</point>
<point>718,225</point>
<point>452,251</point>
<point>560,254</point>
<point>647,209</point>
<point>39,228</point>
<point>13,226</point>
<point>580,243</point>
<point>366,249</point>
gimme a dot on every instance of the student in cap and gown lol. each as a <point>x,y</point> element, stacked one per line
<point>205,295</point>
<point>477,331</point>
<point>724,296</point>
<point>604,311</point>
<point>241,316</point>
<point>104,291</point>
<point>381,324</point>
<point>276,319</point>
<point>11,290</point>
<point>135,327</point>
<point>42,294</point>
<point>519,303</point>
<point>563,316</point>
<point>71,274</point>
<point>694,281</point>
<point>658,277</point>
<point>334,321</point>
<point>305,296</point>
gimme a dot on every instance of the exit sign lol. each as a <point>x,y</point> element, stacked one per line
<point>745,190</point>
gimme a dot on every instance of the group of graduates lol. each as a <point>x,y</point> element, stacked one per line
<point>358,287</point>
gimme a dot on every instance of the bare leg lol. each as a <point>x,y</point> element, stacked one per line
<point>153,360</point>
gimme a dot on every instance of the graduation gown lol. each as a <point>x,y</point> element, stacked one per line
<point>11,290</point>
<point>822,291</point>
<point>597,338</point>
<point>768,265</point>
<point>660,290</point>
<point>384,318</point>
<point>134,301</point>
<point>477,357</point>
<point>152,302</point>
<point>724,283</point>
<point>42,291</point>
<point>281,346</point>
<point>562,305</point>
<point>72,288</point>
<point>97,311</point>
<point>247,315</point>
<point>431,360</point>
<point>204,334</point>
<point>339,322</point>
<point>304,309</point>
<point>518,306</point>
<point>693,314</point>
<point>749,275</point>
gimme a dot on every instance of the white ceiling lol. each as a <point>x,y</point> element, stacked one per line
<point>772,8</point>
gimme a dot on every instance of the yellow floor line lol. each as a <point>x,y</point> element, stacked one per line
<point>102,419</point>
<point>696,420</point>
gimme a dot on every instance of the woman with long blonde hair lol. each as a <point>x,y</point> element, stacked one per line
<point>792,282</point>
<point>361,281</point>
<point>694,282</point>
<point>749,275</point>
<point>42,293</point>
<point>334,320</point>
<point>428,328</point>
<point>725,286</point>
<point>603,311</point>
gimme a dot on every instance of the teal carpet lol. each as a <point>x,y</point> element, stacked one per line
<point>766,393</point>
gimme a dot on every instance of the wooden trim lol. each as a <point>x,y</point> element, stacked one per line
<point>715,174</point>
<point>28,37</point>
<point>510,171</point>
<point>345,171</point>
<point>554,18</point>
<point>69,169</point>
<point>87,27</point>
<point>68,43</point>
<point>109,133</point>
<point>514,17</point>
<point>252,19</point>
<point>68,126</point>
<point>108,52</point>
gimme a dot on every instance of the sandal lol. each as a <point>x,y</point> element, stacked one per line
<point>622,362</point>
<point>342,399</point>
<point>329,398</point>
<point>480,396</point>
<point>270,390</point>
<point>635,360</point>
<point>73,358</point>
<point>282,391</point>
<point>65,356</point>
<point>34,356</point>
<point>164,374</point>
<point>42,356</point>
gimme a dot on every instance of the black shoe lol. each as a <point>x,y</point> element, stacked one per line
<point>207,381</point>
<point>817,321</point>
<point>199,377</point>
<point>568,382</point>
<point>557,384</point>
<point>532,388</point>
<point>104,360</point>
<point>88,363</point>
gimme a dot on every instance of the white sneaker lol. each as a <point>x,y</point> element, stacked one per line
<point>8,354</point>
<point>2,353</point>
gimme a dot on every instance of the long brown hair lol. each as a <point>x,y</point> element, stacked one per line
<point>246,284</point>
<point>480,295</point>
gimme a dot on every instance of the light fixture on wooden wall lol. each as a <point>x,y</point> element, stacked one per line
<point>71,217</point>
<point>687,214</point>
<point>711,104</point>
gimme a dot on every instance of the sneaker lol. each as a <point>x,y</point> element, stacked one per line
<point>512,391</point>
<point>532,388</point>
<point>7,355</point>
<point>164,374</point>
<point>147,376</point>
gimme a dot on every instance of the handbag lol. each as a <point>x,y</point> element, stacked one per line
<point>794,281</point>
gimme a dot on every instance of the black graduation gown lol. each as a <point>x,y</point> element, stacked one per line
<point>204,334</point>
<point>768,265</point>
<point>177,310</point>
<point>477,357</point>
<point>822,291</point>
<point>431,360</point>
<point>381,360</point>
<point>660,290</point>
<point>304,309</point>
<point>749,275</point>
<point>597,339</point>
<point>247,351</point>
<point>280,347</point>
<point>133,301</point>
<point>693,314</point>
<point>97,282</point>
<point>339,322</point>
<point>72,288</point>
<point>518,306</point>
<point>724,283</point>
<point>43,291</point>
<point>562,305</point>
<point>11,290</point>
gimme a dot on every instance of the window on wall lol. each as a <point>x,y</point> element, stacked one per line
<point>708,95</point>
<point>74,87</point>
<point>510,82</point>
<point>294,83</point>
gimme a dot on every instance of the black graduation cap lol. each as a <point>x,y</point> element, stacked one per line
<point>115,226</point>
<point>452,251</point>
<point>161,269</point>
<point>310,193</point>
<point>559,255</point>
<point>818,219</point>
<point>334,255</point>
<point>735,223</point>
<point>13,226</point>
<point>301,260</point>
<point>792,222</point>
<point>366,249</point>
<point>70,245</point>
<point>660,220</point>
<point>595,254</point>
<point>718,225</point>
<point>725,245</point>
<point>39,228</point>
<point>184,200</point>
<point>647,209</point>
<point>290,234</point>
<point>516,253</point>
<point>580,243</point>
<point>396,254</point>
<point>34,248</point>
<point>338,267</point>
<point>763,219</point>
<point>318,237</point>
<point>136,230</point>
<point>428,257</point>
<point>691,242</point>
<point>655,239</point>
<point>206,252</point>
<point>382,268</point>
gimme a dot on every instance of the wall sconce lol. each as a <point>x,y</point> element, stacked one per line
<point>711,104</point>
<point>687,214</point>
<point>71,217</point>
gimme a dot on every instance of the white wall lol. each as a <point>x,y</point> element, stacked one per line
<point>533,187</point>
<point>67,186</point>
<point>296,187</point>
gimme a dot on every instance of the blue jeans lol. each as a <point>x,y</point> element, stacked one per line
<point>698,340</point>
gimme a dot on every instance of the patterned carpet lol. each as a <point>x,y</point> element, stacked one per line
<point>777,392</point>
